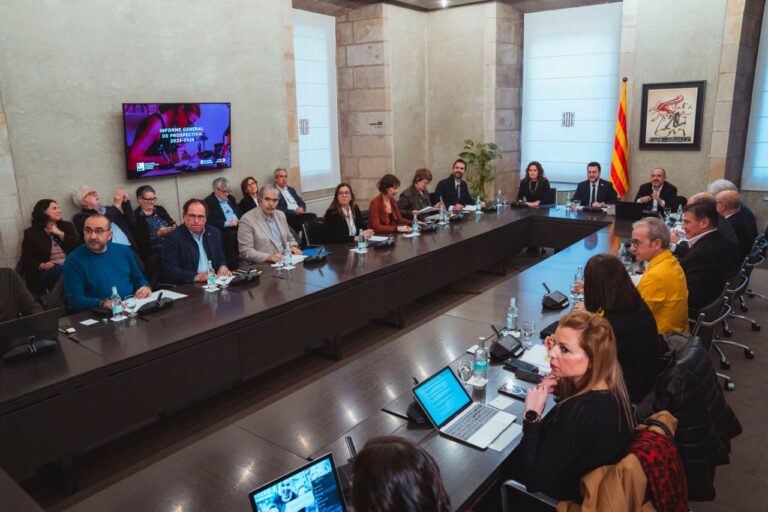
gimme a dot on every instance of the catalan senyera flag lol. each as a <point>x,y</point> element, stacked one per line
<point>619,167</point>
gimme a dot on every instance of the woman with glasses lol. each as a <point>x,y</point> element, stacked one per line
<point>343,220</point>
<point>152,223</point>
<point>46,245</point>
<point>250,188</point>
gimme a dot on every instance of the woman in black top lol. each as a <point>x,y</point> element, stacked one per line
<point>415,197</point>
<point>152,222</point>
<point>250,187</point>
<point>343,220</point>
<point>590,426</point>
<point>609,291</point>
<point>534,188</point>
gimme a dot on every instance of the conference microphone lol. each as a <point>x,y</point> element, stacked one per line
<point>553,300</point>
<point>546,287</point>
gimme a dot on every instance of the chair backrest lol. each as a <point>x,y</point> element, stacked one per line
<point>737,291</point>
<point>551,197</point>
<point>709,317</point>
<point>313,232</point>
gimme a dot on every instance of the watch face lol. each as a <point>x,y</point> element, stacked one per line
<point>530,416</point>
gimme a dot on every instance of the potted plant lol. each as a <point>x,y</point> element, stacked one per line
<point>480,165</point>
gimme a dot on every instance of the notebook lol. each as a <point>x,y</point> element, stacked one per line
<point>314,486</point>
<point>452,411</point>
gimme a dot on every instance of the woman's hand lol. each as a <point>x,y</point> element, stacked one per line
<point>536,397</point>
<point>48,265</point>
<point>368,233</point>
<point>55,231</point>
<point>404,229</point>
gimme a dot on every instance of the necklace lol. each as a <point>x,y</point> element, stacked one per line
<point>534,187</point>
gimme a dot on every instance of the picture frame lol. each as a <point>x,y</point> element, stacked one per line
<point>671,115</point>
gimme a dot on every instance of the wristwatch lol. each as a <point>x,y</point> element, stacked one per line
<point>531,416</point>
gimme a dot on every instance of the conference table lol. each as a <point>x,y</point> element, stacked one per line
<point>108,378</point>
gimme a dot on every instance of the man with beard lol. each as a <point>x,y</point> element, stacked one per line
<point>453,190</point>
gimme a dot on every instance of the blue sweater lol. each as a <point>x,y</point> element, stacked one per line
<point>89,277</point>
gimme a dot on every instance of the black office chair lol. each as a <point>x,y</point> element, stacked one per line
<point>754,259</point>
<point>551,197</point>
<point>730,297</point>
<point>312,233</point>
<point>540,501</point>
<point>760,245</point>
<point>707,321</point>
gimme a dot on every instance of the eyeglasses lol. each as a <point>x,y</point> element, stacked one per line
<point>150,199</point>
<point>345,193</point>
<point>195,217</point>
<point>97,231</point>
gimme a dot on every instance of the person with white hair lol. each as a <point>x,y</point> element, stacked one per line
<point>120,213</point>
<point>224,214</point>
<point>721,185</point>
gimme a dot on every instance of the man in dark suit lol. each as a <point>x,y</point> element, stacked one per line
<point>721,184</point>
<point>658,193</point>
<point>290,202</point>
<point>453,190</point>
<point>711,260</point>
<point>224,215</point>
<point>594,192</point>
<point>728,206</point>
<point>724,229</point>
<point>188,249</point>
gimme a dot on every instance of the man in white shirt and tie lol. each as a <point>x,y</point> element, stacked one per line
<point>594,192</point>
<point>290,202</point>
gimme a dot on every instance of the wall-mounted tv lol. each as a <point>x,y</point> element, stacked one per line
<point>174,138</point>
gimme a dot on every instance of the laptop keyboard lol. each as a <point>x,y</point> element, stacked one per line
<point>473,421</point>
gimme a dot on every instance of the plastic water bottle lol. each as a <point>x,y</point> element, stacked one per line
<point>415,226</point>
<point>117,305</point>
<point>498,200</point>
<point>478,207</point>
<point>480,369</point>
<point>679,215</point>
<point>288,256</point>
<point>578,282</point>
<point>568,201</point>
<point>361,241</point>
<point>512,315</point>
<point>210,275</point>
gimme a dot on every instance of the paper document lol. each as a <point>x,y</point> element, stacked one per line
<point>410,235</point>
<point>506,437</point>
<point>428,209</point>
<point>222,280</point>
<point>537,355</point>
<point>501,402</point>
<point>469,208</point>
<point>167,294</point>
<point>377,238</point>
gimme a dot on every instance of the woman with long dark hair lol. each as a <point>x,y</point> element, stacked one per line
<point>534,188</point>
<point>250,189</point>
<point>343,220</point>
<point>392,474</point>
<point>383,213</point>
<point>45,246</point>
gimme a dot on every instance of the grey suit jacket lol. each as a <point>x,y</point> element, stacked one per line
<point>255,239</point>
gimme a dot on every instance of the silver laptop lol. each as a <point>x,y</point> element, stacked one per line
<point>452,411</point>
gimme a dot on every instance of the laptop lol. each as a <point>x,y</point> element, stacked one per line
<point>455,415</point>
<point>23,337</point>
<point>629,211</point>
<point>314,486</point>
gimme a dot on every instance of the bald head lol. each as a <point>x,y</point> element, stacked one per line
<point>706,196</point>
<point>728,202</point>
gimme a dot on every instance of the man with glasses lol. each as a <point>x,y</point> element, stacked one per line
<point>224,215</point>
<point>263,234</point>
<point>92,269</point>
<point>663,286</point>
<point>119,214</point>
<point>152,223</point>
<point>189,248</point>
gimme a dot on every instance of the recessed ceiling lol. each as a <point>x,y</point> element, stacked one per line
<point>335,7</point>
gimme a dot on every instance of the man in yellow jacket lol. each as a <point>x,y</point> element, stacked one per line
<point>663,285</point>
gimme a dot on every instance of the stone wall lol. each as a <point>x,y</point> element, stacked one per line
<point>10,214</point>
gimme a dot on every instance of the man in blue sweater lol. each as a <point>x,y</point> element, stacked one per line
<point>91,270</point>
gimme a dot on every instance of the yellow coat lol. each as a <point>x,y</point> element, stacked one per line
<point>664,288</point>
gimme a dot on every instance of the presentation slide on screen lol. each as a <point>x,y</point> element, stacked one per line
<point>174,138</point>
<point>310,490</point>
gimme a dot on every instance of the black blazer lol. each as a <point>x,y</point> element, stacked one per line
<point>411,199</point>
<point>540,193</point>
<point>282,204</point>
<point>605,193</point>
<point>180,255</point>
<point>36,249</point>
<point>637,347</point>
<point>124,220</point>
<point>446,189</point>
<point>742,228</point>
<point>247,204</point>
<point>336,229</point>
<point>141,231</point>
<point>668,193</point>
<point>216,214</point>
<point>707,266</point>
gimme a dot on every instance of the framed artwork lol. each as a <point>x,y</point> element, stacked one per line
<point>671,115</point>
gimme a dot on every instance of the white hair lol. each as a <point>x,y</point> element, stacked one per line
<point>719,185</point>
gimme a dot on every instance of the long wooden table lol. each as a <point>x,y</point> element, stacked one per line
<point>110,378</point>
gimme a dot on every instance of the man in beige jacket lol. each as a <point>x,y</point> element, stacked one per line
<point>263,233</point>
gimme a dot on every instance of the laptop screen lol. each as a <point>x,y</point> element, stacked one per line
<point>313,486</point>
<point>442,396</point>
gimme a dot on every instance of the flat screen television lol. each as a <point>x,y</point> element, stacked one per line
<point>176,138</point>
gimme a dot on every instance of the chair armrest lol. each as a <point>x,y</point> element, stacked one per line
<point>511,486</point>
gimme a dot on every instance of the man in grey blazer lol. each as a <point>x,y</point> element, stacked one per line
<point>263,233</point>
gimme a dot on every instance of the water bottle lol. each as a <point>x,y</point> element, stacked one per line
<point>361,241</point>
<point>415,225</point>
<point>210,275</point>
<point>498,200</point>
<point>679,215</point>
<point>512,315</point>
<point>478,207</point>
<point>117,305</point>
<point>481,363</point>
<point>578,280</point>
<point>568,201</point>
<point>288,256</point>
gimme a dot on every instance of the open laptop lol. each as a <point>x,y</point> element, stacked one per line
<point>455,415</point>
<point>23,337</point>
<point>314,486</point>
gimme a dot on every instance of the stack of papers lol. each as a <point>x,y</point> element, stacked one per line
<point>537,355</point>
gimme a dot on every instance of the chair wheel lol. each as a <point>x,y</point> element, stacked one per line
<point>729,386</point>
<point>749,353</point>
<point>727,331</point>
<point>725,364</point>
<point>755,326</point>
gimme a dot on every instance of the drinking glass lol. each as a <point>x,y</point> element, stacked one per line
<point>130,305</point>
<point>528,328</point>
<point>465,369</point>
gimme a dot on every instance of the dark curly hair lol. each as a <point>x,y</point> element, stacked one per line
<point>39,217</point>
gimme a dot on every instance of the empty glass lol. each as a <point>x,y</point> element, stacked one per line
<point>130,305</point>
<point>528,328</point>
<point>465,369</point>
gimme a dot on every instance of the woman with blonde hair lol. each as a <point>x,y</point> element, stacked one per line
<point>590,426</point>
